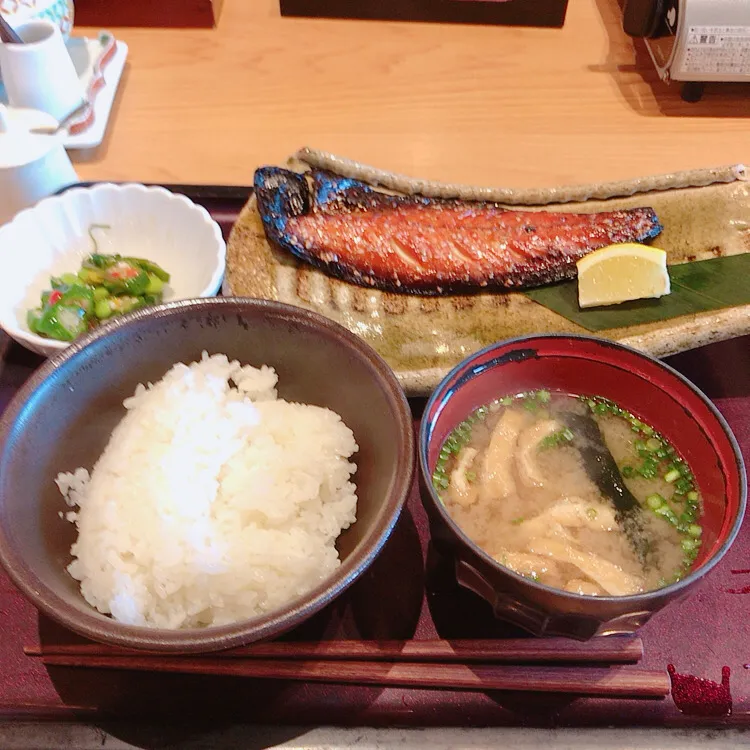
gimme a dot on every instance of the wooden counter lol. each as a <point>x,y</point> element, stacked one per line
<point>489,105</point>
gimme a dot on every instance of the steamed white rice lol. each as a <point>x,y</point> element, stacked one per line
<point>214,500</point>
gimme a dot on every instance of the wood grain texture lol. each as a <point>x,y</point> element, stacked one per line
<point>611,682</point>
<point>619,649</point>
<point>480,105</point>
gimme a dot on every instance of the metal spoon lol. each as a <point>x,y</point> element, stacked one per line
<point>7,34</point>
<point>70,117</point>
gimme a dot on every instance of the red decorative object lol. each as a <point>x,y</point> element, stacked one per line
<point>700,697</point>
<point>164,13</point>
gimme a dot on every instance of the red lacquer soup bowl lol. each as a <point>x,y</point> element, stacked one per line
<point>657,395</point>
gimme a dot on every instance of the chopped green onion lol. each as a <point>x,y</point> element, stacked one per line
<point>556,439</point>
<point>672,476</point>
<point>692,496</point>
<point>667,514</point>
<point>653,444</point>
<point>543,396</point>
<point>694,530</point>
<point>655,501</point>
<point>688,545</point>
<point>517,521</point>
<point>627,472</point>
<point>648,468</point>
<point>592,513</point>
<point>440,481</point>
<point>471,476</point>
<point>687,517</point>
<point>682,486</point>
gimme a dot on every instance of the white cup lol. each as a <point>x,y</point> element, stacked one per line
<point>40,74</point>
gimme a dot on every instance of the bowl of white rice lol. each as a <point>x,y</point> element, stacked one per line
<point>201,474</point>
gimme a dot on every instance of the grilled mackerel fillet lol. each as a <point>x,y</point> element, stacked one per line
<point>430,246</point>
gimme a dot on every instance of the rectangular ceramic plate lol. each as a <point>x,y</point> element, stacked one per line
<point>422,338</point>
<point>104,99</point>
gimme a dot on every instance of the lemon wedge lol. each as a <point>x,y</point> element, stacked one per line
<point>619,273</point>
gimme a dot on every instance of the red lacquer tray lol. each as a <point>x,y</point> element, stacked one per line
<point>404,595</point>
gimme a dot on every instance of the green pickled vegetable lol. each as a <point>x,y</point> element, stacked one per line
<point>103,309</point>
<point>104,286</point>
<point>62,322</point>
<point>155,284</point>
<point>32,319</point>
<point>91,276</point>
<point>125,278</point>
<point>154,269</point>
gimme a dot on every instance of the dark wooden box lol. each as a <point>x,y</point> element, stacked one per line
<point>504,12</point>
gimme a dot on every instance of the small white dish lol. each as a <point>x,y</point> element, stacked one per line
<point>99,63</point>
<point>53,238</point>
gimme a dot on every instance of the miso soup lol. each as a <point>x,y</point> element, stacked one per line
<point>573,492</point>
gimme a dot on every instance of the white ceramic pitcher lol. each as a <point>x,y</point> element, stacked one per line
<point>40,74</point>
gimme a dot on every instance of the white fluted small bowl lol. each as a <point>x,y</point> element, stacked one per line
<point>53,238</point>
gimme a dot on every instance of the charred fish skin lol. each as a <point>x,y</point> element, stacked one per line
<point>281,196</point>
<point>426,246</point>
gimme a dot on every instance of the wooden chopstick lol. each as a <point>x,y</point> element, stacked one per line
<point>612,650</point>
<point>614,682</point>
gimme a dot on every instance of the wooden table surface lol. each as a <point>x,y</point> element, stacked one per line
<point>485,105</point>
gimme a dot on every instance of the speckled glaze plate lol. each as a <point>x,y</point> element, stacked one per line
<point>705,213</point>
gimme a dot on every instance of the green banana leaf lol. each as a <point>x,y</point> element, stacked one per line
<point>699,286</point>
